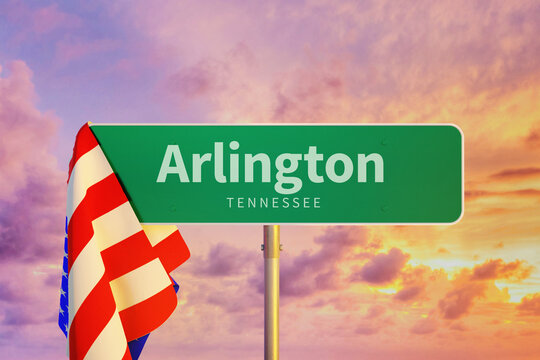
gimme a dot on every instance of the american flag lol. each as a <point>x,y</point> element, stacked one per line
<point>116,286</point>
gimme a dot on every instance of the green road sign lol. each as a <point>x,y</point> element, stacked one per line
<point>391,174</point>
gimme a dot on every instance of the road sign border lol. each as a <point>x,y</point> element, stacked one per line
<point>462,212</point>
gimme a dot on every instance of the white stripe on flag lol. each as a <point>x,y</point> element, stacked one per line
<point>85,273</point>
<point>111,342</point>
<point>109,229</point>
<point>139,284</point>
<point>90,169</point>
<point>115,226</point>
<point>158,233</point>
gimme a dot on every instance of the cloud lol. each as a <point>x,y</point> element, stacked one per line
<point>375,311</point>
<point>312,97</point>
<point>49,18</point>
<point>235,299</point>
<point>340,62</point>
<point>505,334</point>
<point>529,332</point>
<point>343,301</point>
<point>410,293</point>
<point>477,194</point>
<point>459,326</point>
<point>382,268</point>
<point>498,269</point>
<point>26,131</point>
<point>424,327</point>
<point>499,245</point>
<point>32,188</point>
<point>533,138</point>
<point>366,330</point>
<point>72,49</point>
<point>459,301</point>
<point>420,284</point>
<point>530,305</point>
<point>226,260</point>
<point>478,282</point>
<point>315,271</point>
<point>39,21</point>
<point>516,173</point>
<point>19,316</point>
<point>210,75</point>
<point>8,294</point>
<point>25,299</point>
<point>371,61</point>
<point>195,81</point>
<point>217,280</point>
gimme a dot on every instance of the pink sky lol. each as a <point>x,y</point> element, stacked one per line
<point>470,290</point>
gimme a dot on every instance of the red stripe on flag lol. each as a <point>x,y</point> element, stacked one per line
<point>84,142</point>
<point>172,251</point>
<point>136,251</point>
<point>100,198</point>
<point>127,355</point>
<point>93,315</point>
<point>148,315</point>
<point>127,255</point>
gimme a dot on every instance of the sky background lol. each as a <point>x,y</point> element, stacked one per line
<point>469,291</point>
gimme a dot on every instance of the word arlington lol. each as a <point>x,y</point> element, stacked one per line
<point>286,165</point>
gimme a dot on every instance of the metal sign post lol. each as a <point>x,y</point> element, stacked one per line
<point>271,249</point>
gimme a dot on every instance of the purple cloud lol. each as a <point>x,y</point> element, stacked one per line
<point>410,293</point>
<point>382,268</point>
<point>459,301</point>
<point>226,260</point>
<point>315,271</point>
<point>41,20</point>
<point>32,188</point>
<point>197,80</point>
<point>19,316</point>
<point>8,294</point>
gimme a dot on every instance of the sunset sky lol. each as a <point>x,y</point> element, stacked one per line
<point>467,291</point>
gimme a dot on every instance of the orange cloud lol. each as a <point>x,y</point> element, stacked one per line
<point>517,173</point>
<point>530,305</point>
<point>476,194</point>
<point>459,301</point>
<point>498,269</point>
<point>472,284</point>
<point>533,138</point>
<point>375,311</point>
<point>424,326</point>
<point>366,330</point>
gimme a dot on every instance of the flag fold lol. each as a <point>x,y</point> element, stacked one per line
<point>116,286</point>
